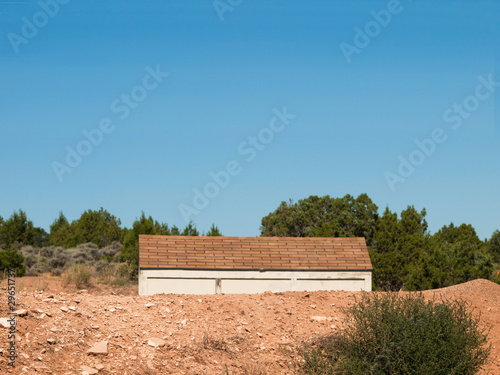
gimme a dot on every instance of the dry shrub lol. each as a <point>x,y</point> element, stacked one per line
<point>213,343</point>
<point>41,283</point>
<point>115,274</point>
<point>252,367</point>
<point>78,274</point>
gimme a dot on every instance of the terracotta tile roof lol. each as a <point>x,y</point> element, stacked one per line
<point>253,253</point>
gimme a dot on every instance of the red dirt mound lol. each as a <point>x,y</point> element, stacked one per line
<point>183,334</point>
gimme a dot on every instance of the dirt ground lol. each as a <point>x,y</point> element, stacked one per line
<point>185,334</point>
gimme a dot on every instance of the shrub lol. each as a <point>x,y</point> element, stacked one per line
<point>78,274</point>
<point>394,334</point>
<point>12,259</point>
<point>117,274</point>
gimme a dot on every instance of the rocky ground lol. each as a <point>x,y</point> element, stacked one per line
<point>106,330</point>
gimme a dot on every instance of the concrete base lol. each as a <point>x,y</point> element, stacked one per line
<point>235,282</point>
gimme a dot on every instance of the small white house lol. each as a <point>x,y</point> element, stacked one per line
<point>208,265</point>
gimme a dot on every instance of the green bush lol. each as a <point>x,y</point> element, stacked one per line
<point>394,334</point>
<point>12,259</point>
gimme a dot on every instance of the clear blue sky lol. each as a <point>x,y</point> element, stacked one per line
<point>229,68</point>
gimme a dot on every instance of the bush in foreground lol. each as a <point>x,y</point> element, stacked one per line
<point>394,334</point>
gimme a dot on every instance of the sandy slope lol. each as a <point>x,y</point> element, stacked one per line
<point>250,334</point>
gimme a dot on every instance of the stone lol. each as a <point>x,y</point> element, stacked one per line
<point>73,308</point>
<point>4,322</point>
<point>99,348</point>
<point>51,341</point>
<point>148,305</point>
<point>21,312</point>
<point>319,318</point>
<point>156,342</point>
<point>64,308</point>
<point>89,370</point>
<point>99,367</point>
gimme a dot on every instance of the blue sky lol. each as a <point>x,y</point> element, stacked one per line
<point>230,69</point>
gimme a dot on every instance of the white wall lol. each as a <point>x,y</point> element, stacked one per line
<point>204,282</point>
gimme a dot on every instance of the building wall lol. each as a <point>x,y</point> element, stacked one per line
<point>212,282</point>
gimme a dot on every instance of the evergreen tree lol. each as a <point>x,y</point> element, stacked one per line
<point>323,217</point>
<point>143,225</point>
<point>14,260</point>
<point>98,227</point>
<point>494,246</point>
<point>60,231</point>
<point>399,245</point>
<point>18,230</point>
<point>214,231</point>
<point>190,230</point>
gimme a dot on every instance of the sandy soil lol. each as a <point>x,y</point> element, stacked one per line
<point>182,334</point>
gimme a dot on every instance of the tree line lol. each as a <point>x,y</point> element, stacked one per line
<point>404,254</point>
<point>97,227</point>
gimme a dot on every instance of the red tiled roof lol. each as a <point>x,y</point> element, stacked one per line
<point>253,253</point>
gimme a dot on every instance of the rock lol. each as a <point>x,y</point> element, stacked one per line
<point>73,308</point>
<point>319,318</point>
<point>112,310</point>
<point>99,367</point>
<point>4,322</point>
<point>64,308</point>
<point>82,291</point>
<point>51,341</point>
<point>99,348</point>
<point>89,370</point>
<point>148,305</point>
<point>155,342</point>
<point>21,312</point>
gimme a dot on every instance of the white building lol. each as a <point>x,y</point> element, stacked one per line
<point>208,265</point>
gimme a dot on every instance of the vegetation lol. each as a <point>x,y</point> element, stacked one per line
<point>146,225</point>
<point>403,252</point>
<point>12,259</point>
<point>96,240</point>
<point>323,217</point>
<point>78,274</point>
<point>394,334</point>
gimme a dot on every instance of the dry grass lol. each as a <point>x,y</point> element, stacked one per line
<point>211,342</point>
<point>253,367</point>
<point>41,283</point>
<point>79,274</point>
